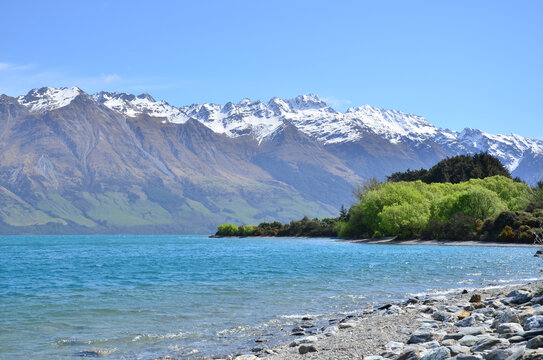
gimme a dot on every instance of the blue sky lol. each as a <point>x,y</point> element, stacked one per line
<point>458,63</point>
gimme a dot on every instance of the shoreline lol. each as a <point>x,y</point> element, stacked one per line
<point>394,241</point>
<point>415,328</point>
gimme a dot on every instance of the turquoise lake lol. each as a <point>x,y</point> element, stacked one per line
<point>140,297</point>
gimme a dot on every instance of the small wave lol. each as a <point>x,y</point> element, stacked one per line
<point>299,316</point>
<point>178,335</point>
<point>351,297</point>
<point>72,341</point>
<point>98,352</point>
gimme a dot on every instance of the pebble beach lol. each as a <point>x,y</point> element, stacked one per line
<point>499,323</point>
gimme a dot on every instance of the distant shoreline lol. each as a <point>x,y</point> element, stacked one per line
<point>394,241</point>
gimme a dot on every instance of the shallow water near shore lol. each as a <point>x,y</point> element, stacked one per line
<point>140,297</point>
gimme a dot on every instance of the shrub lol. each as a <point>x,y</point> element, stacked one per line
<point>410,209</point>
<point>246,230</point>
<point>507,234</point>
<point>227,230</point>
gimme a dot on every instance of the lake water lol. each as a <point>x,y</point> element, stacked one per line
<point>140,297</point>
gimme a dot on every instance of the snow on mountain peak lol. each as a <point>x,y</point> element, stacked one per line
<point>48,98</point>
<point>394,125</point>
<point>308,101</point>
<point>309,113</point>
<point>131,105</point>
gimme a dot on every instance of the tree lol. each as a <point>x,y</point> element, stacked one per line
<point>455,170</point>
<point>227,230</point>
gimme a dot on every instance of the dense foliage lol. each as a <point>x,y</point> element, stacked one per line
<point>327,227</point>
<point>414,209</point>
<point>492,208</point>
<point>455,170</point>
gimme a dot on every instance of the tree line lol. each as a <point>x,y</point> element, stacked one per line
<point>460,198</point>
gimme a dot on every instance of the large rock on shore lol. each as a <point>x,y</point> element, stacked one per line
<point>535,343</point>
<point>488,343</point>
<point>534,322</point>
<point>422,335</point>
<point>509,328</point>
<point>519,296</point>
<point>439,353</point>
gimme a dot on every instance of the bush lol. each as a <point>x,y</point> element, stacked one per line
<point>247,230</point>
<point>507,234</point>
<point>227,230</point>
<point>454,211</point>
<point>456,170</point>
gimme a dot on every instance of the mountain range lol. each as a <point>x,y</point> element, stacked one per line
<point>73,162</point>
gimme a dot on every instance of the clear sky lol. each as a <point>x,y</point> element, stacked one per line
<point>458,63</point>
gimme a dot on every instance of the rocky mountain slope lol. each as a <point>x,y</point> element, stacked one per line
<point>114,162</point>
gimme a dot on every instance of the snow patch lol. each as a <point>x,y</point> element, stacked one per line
<point>47,99</point>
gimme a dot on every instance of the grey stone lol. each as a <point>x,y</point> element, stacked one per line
<point>439,353</point>
<point>421,335</point>
<point>427,309</point>
<point>509,328</point>
<point>304,349</point>
<point>498,354</point>
<point>476,330</point>
<point>535,343</point>
<point>393,310</point>
<point>458,349</point>
<point>519,296</point>
<point>394,345</point>
<point>531,333</point>
<point>537,300</point>
<point>308,339</point>
<point>488,343</point>
<point>467,357</point>
<point>347,325</point>
<point>534,322</point>
<point>516,355</point>
<point>373,357</point>
<point>431,345</point>
<point>496,304</point>
<point>246,357</point>
<point>466,322</point>
<point>454,336</point>
<point>525,314</point>
<point>505,316</point>
<point>441,315</point>
<point>516,339</point>
<point>469,340</point>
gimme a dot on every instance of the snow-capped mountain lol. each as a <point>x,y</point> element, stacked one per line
<point>116,162</point>
<point>132,105</point>
<point>308,113</point>
<point>47,98</point>
<point>311,115</point>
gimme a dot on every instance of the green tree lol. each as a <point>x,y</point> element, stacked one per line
<point>227,229</point>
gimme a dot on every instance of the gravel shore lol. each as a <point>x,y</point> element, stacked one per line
<point>504,323</point>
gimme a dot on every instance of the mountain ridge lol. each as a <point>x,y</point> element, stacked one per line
<point>117,162</point>
<point>310,113</point>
